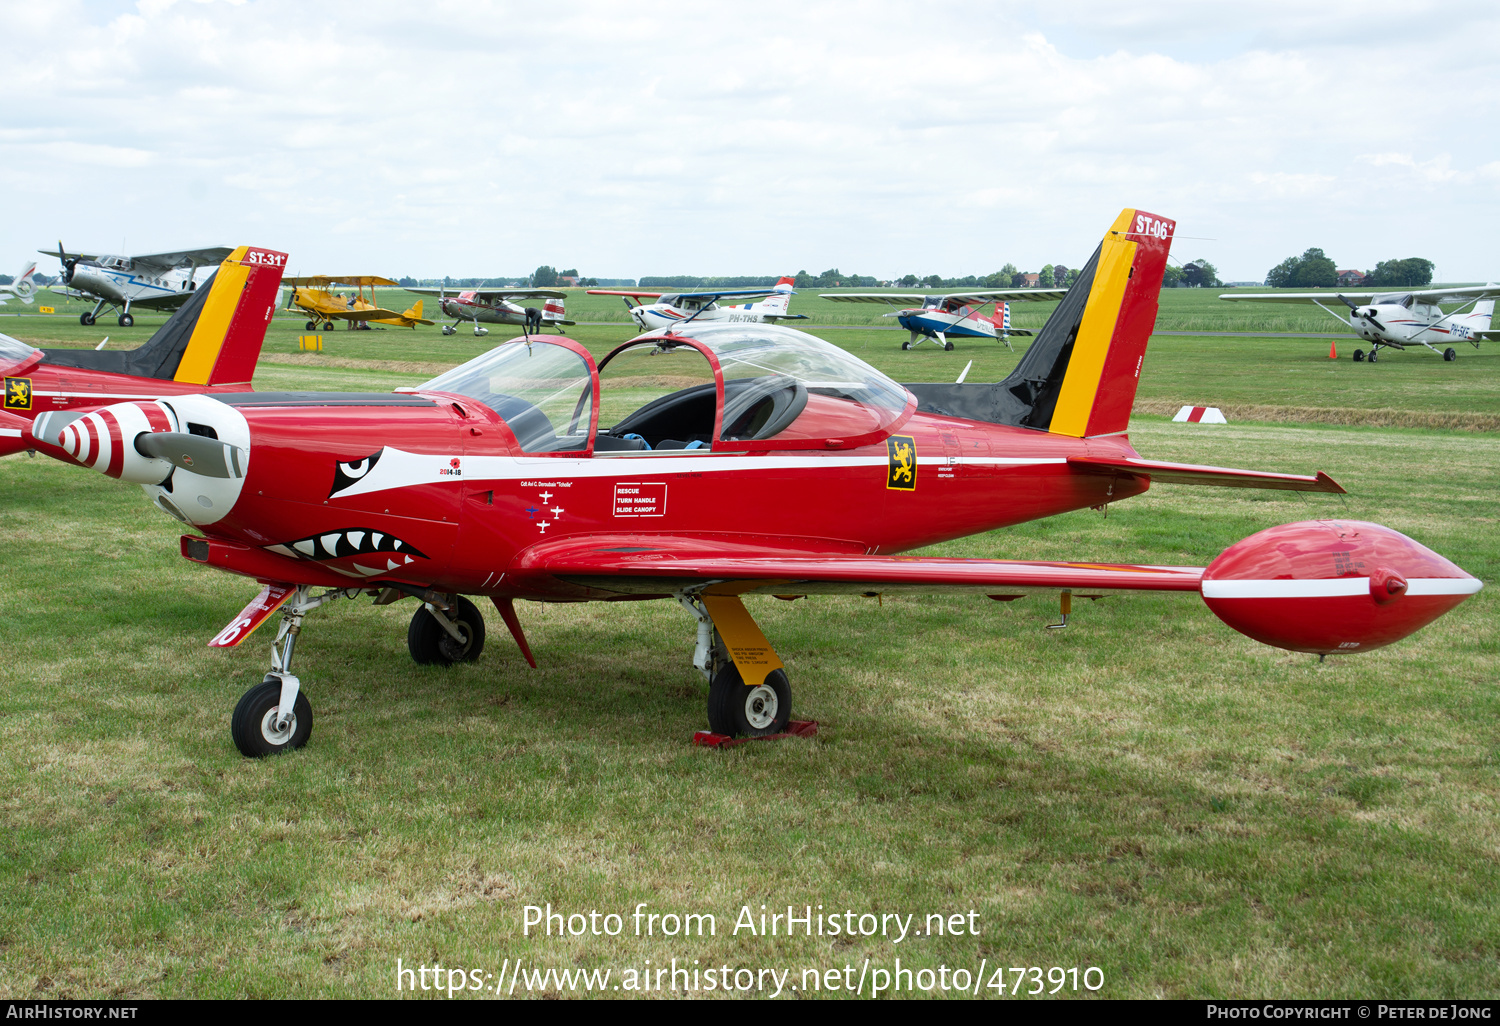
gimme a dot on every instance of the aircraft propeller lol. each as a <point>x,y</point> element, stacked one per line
<point>1369,316</point>
<point>68,265</point>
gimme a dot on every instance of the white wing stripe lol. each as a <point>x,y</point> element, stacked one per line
<point>1334,587</point>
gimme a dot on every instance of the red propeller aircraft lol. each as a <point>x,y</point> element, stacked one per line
<point>211,344</point>
<point>738,459</point>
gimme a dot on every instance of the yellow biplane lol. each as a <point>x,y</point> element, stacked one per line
<point>315,297</point>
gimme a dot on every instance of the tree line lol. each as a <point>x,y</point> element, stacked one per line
<point>1314,270</point>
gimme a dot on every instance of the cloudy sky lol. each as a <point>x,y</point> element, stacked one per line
<point>473,138</point>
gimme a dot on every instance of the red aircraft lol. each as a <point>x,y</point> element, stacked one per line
<point>211,344</point>
<point>705,465</point>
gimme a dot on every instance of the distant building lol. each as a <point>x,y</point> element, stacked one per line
<point>569,280</point>
<point>1351,277</point>
<point>1030,281</point>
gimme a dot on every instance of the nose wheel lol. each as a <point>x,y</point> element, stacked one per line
<point>259,729</point>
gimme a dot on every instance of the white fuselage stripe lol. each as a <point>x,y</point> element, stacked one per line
<point>400,469</point>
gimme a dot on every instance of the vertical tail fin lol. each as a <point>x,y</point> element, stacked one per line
<point>1483,313</point>
<point>1079,376</point>
<point>415,311</point>
<point>554,311</point>
<point>224,340</point>
<point>781,300</point>
<point>23,287</point>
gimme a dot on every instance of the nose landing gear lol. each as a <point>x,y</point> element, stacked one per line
<point>275,716</point>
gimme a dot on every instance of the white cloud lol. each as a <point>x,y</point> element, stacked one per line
<point>481,138</point>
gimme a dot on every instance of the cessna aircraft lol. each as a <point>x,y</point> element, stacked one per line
<point>773,463</point>
<point>673,308</point>
<point>498,306</point>
<point>311,296</point>
<point>23,288</point>
<point>952,313</point>
<point>1400,319</point>
<point>157,280</point>
<point>210,345</point>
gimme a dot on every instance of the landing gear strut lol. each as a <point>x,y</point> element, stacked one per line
<point>275,716</point>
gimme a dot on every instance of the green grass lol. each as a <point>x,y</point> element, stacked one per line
<point>1147,791</point>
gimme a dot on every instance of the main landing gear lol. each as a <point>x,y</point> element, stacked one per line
<point>748,693</point>
<point>729,640</point>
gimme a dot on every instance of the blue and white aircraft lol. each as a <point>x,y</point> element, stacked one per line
<point>680,307</point>
<point>952,313</point>
<point>156,280</point>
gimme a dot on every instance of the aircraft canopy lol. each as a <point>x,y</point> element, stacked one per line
<point>782,389</point>
<point>14,353</point>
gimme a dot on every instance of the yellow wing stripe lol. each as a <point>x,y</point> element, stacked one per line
<point>213,323</point>
<point>1075,400</point>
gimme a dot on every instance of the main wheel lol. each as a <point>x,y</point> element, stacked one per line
<point>85,319</point>
<point>906,345</point>
<point>328,326</point>
<point>948,347</point>
<point>448,329</point>
<point>737,710</point>
<point>310,325</point>
<point>126,320</point>
<point>1359,356</point>
<point>1372,355</point>
<point>1450,355</point>
<point>429,643</point>
<point>253,725</point>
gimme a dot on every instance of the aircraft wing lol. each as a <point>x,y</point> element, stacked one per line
<point>167,261</point>
<point>63,254</point>
<point>971,298</point>
<point>711,295</point>
<point>656,564</point>
<point>1460,294</point>
<point>491,293</point>
<point>374,314</point>
<point>324,280</point>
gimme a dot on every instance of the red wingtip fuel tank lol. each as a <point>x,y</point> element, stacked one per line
<point>1328,586</point>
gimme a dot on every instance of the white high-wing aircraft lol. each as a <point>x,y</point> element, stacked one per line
<point>951,313</point>
<point>23,288</point>
<point>680,307</point>
<point>1397,319</point>
<point>154,280</point>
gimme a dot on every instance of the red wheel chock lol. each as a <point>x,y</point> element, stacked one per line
<point>795,728</point>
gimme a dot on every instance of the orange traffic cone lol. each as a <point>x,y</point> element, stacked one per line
<point>1333,349</point>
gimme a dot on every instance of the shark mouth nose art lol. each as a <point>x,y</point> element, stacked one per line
<point>385,551</point>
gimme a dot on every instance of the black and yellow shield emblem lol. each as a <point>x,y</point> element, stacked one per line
<point>901,472</point>
<point>18,393</point>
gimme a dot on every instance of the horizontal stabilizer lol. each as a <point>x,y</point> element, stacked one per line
<point>1192,474</point>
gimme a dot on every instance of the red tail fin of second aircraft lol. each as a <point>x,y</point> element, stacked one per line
<point>1110,335</point>
<point>231,325</point>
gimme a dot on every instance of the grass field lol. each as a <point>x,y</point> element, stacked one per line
<point>1146,792</point>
